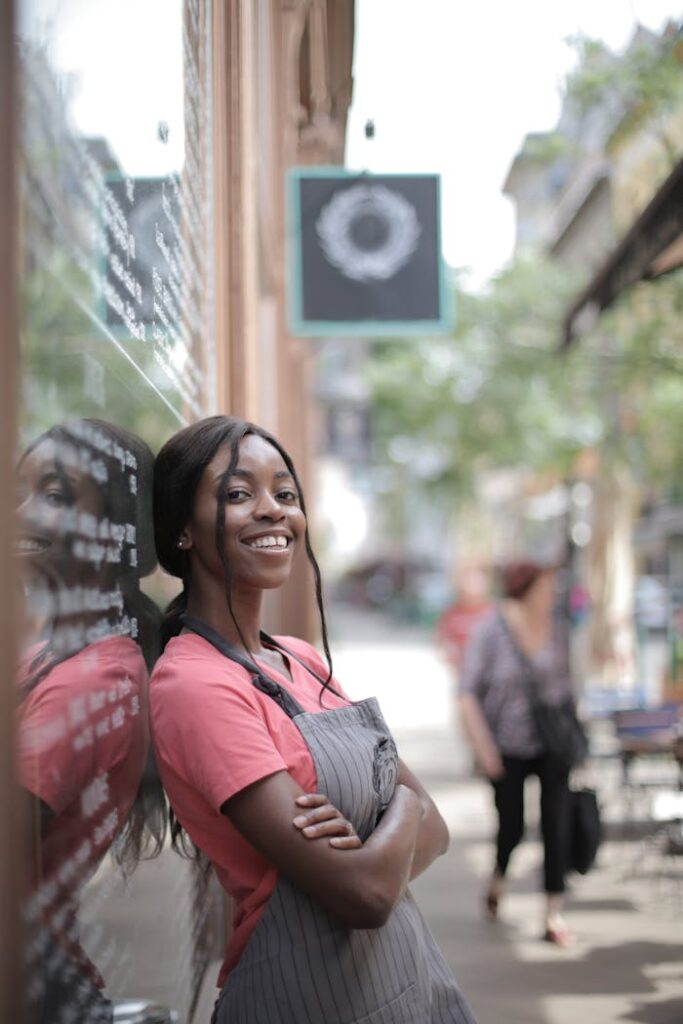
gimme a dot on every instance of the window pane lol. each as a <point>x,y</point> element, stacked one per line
<point>117,343</point>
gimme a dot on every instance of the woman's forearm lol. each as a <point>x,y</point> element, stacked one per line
<point>389,853</point>
<point>432,842</point>
<point>432,836</point>
<point>483,744</point>
<point>359,886</point>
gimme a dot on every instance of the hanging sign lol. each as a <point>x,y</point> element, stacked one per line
<point>365,254</point>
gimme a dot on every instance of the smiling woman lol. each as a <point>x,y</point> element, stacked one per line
<point>296,795</point>
<point>263,520</point>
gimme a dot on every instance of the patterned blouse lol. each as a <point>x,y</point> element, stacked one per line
<point>495,672</point>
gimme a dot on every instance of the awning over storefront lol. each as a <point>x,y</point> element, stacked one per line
<point>653,246</point>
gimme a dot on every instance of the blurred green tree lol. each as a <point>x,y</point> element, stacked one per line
<point>645,82</point>
<point>499,393</point>
<point>493,394</point>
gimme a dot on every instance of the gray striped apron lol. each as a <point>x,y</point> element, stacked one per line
<point>301,964</point>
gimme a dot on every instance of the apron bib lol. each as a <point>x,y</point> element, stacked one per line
<point>302,965</point>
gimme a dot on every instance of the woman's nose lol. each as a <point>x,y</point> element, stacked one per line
<point>268,507</point>
<point>27,510</point>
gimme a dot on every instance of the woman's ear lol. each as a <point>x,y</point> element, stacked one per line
<point>184,540</point>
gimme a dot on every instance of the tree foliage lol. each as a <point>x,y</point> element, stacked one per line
<point>645,370</point>
<point>493,394</point>
<point>500,393</point>
<point>644,83</point>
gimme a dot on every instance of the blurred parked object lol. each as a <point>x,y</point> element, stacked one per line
<point>137,1011</point>
<point>660,852</point>
<point>650,747</point>
<point>650,732</point>
<point>408,589</point>
<point>651,603</point>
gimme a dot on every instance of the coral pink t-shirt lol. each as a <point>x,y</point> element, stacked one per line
<point>214,734</point>
<point>82,743</point>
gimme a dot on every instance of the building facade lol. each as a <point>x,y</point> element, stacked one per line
<point>600,195</point>
<point>142,197</point>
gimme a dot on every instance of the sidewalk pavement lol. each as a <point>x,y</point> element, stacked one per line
<point>627,965</point>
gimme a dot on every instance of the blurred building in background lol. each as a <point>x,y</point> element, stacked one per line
<point>379,533</point>
<point>601,195</point>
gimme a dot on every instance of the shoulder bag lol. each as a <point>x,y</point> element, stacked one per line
<point>585,828</point>
<point>558,725</point>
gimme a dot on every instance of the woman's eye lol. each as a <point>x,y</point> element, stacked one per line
<point>55,498</point>
<point>237,494</point>
<point>287,495</point>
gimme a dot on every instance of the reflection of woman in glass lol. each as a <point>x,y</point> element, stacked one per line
<point>83,544</point>
<point>295,794</point>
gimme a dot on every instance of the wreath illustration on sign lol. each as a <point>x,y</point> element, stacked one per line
<point>368,232</point>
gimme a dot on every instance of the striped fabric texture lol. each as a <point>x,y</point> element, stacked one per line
<point>301,965</point>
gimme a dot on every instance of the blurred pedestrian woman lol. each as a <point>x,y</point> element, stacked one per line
<point>515,641</point>
<point>295,794</point>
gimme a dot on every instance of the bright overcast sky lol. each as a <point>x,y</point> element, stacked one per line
<point>453,86</point>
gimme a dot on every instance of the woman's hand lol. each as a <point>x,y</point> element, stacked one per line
<point>360,886</point>
<point>486,752</point>
<point>323,819</point>
<point>492,766</point>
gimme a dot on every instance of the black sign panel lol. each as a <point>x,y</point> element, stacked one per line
<point>365,256</point>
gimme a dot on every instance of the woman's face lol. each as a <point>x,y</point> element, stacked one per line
<point>54,494</point>
<point>264,524</point>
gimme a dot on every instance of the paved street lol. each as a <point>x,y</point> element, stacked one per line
<point>628,961</point>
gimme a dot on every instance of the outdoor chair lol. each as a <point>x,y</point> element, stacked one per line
<point>650,751</point>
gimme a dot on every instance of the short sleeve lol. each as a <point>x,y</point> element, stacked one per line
<point>73,726</point>
<point>476,659</point>
<point>208,727</point>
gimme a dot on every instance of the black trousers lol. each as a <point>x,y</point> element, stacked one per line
<point>509,796</point>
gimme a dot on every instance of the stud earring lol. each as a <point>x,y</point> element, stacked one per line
<point>180,544</point>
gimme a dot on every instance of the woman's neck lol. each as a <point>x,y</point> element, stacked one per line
<point>527,610</point>
<point>530,625</point>
<point>216,613</point>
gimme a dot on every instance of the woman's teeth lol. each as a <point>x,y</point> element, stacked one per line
<point>30,546</point>
<point>269,542</point>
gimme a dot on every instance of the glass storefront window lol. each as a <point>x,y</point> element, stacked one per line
<point>117,334</point>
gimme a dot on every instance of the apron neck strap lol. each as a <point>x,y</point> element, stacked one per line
<point>325,683</point>
<point>282,697</point>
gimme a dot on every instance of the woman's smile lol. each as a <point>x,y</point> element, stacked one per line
<point>263,520</point>
<point>27,546</point>
<point>272,543</point>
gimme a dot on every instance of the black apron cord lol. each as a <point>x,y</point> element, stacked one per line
<point>260,680</point>
<point>272,642</point>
